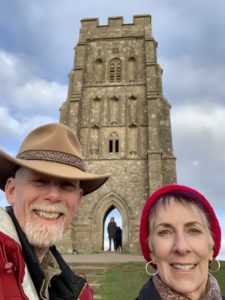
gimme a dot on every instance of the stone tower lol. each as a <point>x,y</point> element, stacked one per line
<point>116,106</point>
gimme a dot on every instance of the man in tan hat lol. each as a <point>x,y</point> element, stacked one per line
<point>44,186</point>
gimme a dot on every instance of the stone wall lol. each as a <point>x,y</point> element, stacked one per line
<point>116,106</point>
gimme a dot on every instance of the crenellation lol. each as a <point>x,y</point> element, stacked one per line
<point>115,21</point>
<point>142,20</point>
<point>89,23</point>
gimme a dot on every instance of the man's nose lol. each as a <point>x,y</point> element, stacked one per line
<point>53,191</point>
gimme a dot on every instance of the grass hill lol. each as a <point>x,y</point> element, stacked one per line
<point>123,282</point>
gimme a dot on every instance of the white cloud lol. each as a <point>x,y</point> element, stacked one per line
<point>9,126</point>
<point>23,92</point>
<point>13,131</point>
<point>39,94</point>
<point>199,118</point>
<point>188,81</point>
<point>198,135</point>
<point>199,132</point>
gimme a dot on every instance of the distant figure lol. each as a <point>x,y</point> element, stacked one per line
<point>118,238</point>
<point>112,233</point>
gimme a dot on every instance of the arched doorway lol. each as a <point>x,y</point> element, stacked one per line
<point>99,215</point>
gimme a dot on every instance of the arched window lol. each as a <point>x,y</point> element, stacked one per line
<point>115,67</point>
<point>98,70</point>
<point>95,113</point>
<point>132,69</point>
<point>132,111</point>
<point>114,107</point>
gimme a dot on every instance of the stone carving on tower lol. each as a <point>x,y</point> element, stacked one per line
<point>116,105</point>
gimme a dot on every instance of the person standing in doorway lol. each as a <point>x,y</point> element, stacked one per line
<point>112,227</point>
<point>118,239</point>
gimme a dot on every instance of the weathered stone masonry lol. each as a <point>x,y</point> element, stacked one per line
<point>116,106</point>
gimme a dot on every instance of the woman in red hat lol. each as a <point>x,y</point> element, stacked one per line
<point>180,236</point>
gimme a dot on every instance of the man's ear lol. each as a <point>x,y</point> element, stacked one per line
<point>10,190</point>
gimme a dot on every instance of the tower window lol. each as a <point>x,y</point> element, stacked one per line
<point>114,144</point>
<point>110,146</point>
<point>112,73</point>
<point>115,70</point>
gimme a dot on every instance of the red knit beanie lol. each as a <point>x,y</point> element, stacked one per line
<point>170,189</point>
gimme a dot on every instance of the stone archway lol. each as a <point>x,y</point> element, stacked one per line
<point>98,216</point>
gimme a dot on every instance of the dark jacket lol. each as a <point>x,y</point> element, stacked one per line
<point>149,292</point>
<point>112,229</point>
<point>66,286</point>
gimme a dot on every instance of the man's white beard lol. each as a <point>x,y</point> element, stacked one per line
<point>43,236</point>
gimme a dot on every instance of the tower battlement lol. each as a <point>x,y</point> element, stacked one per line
<point>143,20</point>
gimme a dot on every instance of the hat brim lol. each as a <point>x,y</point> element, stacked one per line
<point>89,182</point>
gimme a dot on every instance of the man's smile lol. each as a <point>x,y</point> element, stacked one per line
<point>50,215</point>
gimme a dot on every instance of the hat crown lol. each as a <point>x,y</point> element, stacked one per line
<point>52,137</point>
<point>54,150</point>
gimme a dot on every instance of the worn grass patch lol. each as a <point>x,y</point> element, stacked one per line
<point>124,281</point>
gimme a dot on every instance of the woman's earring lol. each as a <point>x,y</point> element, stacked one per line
<point>218,266</point>
<point>147,271</point>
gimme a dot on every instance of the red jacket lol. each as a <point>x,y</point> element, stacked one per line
<point>12,268</point>
<point>16,282</point>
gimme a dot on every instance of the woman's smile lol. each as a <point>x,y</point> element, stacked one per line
<point>183,267</point>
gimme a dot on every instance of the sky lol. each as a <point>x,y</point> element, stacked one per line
<point>37,39</point>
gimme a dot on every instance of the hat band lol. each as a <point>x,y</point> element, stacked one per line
<point>55,156</point>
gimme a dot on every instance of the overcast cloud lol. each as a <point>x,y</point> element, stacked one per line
<point>36,54</point>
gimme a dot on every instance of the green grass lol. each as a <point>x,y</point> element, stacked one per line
<point>220,276</point>
<point>124,281</point>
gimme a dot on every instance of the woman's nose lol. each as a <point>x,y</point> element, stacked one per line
<point>181,244</point>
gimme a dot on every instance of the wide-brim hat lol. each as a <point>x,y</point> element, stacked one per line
<point>54,150</point>
<point>173,189</point>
